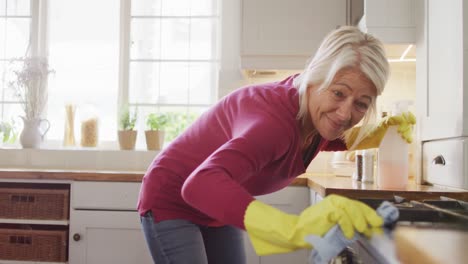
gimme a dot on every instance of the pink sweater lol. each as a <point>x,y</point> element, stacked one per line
<point>247,144</point>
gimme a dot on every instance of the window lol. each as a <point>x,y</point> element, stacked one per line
<point>173,58</point>
<point>153,55</point>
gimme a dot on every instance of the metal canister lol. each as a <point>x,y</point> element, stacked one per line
<point>359,166</point>
<point>367,165</point>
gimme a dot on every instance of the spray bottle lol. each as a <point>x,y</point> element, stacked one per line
<point>393,164</point>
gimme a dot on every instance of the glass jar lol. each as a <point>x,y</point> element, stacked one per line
<point>69,130</point>
<point>89,126</point>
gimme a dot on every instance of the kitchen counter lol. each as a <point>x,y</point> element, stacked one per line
<point>330,184</point>
<point>418,245</point>
<point>81,175</point>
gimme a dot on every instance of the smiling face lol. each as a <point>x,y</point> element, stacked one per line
<point>342,105</point>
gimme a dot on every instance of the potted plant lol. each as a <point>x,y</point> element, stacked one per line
<point>156,123</point>
<point>7,132</point>
<point>127,133</point>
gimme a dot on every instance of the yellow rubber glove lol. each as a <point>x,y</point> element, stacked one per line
<point>272,231</point>
<point>405,123</point>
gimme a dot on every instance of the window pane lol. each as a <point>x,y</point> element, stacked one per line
<point>202,83</point>
<point>176,7</point>
<point>175,39</point>
<point>18,7</point>
<point>145,39</point>
<point>204,8</point>
<point>202,39</point>
<point>144,82</point>
<point>84,54</point>
<point>14,37</point>
<point>146,8</point>
<point>11,112</point>
<point>174,82</point>
<point>2,7</point>
<point>8,93</point>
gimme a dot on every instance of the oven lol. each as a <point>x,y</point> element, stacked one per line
<point>440,213</point>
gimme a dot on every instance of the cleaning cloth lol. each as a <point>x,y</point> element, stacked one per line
<point>334,241</point>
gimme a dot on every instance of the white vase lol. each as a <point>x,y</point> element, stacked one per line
<point>32,136</point>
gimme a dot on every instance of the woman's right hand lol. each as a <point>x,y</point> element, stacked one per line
<point>272,231</point>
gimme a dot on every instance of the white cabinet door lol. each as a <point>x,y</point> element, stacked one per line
<point>106,237</point>
<point>279,34</point>
<point>392,21</point>
<point>443,106</point>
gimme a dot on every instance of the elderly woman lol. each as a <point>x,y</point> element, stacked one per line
<point>198,194</point>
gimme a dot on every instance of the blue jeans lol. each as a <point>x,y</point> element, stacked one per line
<point>181,241</point>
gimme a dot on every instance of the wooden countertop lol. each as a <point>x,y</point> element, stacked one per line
<point>77,175</point>
<point>325,185</point>
<point>417,245</point>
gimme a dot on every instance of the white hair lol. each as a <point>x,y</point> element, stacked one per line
<point>345,47</point>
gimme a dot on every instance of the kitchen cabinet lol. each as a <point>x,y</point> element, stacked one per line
<point>442,92</point>
<point>443,54</point>
<point>104,212</point>
<point>392,21</point>
<point>104,224</point>
<point>98,237</point>
<point>278,34</point>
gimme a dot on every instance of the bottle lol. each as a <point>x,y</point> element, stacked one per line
<point>393,165</point>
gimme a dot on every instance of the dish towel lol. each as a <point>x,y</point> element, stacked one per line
<point>333,242</point>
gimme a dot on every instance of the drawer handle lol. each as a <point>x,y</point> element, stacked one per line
<point>439,160</point>
<point>76,237</point>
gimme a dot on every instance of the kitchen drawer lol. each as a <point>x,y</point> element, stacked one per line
<point>452,170</point>
<point>105,195</point>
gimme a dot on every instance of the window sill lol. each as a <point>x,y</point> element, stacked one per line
<point>76,158</point>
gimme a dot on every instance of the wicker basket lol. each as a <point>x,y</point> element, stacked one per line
<point>29,203</point>
<point>33,245</point>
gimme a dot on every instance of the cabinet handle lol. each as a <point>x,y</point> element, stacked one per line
<point>439,160</point>
<point>76,237</point>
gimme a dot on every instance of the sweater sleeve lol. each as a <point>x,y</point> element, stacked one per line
<point>215,187</point>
